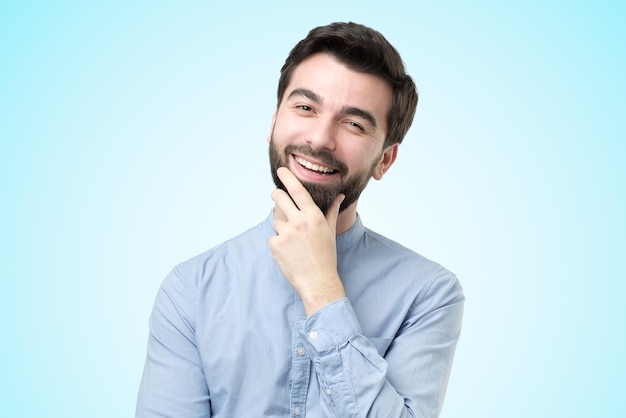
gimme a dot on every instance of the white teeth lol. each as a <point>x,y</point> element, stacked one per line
<point>314,167</point>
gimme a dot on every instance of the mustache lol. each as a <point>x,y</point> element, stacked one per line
<point>324,157</point>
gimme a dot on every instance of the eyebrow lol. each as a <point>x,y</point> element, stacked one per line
<point>355,111</point>
<point>306,93</point>
<point>348,110</point>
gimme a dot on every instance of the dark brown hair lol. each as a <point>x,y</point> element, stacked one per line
<point>365,50</point>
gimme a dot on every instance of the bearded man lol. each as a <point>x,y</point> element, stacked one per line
<point>310,314</point>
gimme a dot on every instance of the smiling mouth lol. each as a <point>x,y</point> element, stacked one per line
<point>314,167</point>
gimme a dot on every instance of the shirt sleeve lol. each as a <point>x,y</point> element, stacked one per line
<point>411,379</point>
<point>173,383</point>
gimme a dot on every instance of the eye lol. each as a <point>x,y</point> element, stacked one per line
<point>355,125</point>
<point>305,108</point>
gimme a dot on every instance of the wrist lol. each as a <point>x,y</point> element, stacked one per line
<point>316,299</point>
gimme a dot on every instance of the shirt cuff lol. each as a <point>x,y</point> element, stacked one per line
<point>332,325</point>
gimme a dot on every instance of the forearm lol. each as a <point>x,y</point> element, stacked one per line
<point>349,370</point>
<point>356,381</point>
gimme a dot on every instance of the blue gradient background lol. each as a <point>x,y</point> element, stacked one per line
<point>133,136</point>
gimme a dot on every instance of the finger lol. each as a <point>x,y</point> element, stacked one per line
<point>284,203</point>
<point>333,212</point>
<point>279,226</point>
<point>296,190</point>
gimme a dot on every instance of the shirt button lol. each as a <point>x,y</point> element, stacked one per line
<point>297,411</point>
<point>313,335</point>
<point>328,391</point>
<point>301,351</point>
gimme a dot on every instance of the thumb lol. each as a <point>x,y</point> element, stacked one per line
<point>333,212</point>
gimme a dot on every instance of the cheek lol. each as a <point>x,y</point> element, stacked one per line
<point>360,156</point>
<point>269,136</point>
<point>278,127</point>
<point>286,131</point>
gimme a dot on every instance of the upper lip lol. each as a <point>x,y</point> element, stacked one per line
<point>314,161</point>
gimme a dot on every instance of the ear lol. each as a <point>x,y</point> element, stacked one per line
<point>269,137</point>
<point>386,161</point>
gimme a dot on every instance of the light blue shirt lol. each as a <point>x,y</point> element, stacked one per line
<point>229,337</point>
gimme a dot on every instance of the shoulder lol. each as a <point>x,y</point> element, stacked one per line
<point>401,261</point>
<point>224,256</point>
<point>385,248</point>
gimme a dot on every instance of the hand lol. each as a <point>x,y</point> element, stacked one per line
<point>304,246</point>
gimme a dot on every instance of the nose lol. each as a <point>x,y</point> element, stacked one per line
<point>321,134</point>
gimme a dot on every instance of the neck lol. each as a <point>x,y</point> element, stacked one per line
<point>345,220</point>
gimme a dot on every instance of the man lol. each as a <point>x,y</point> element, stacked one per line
<point>310,314</point>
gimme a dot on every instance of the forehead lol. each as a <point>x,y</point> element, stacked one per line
<point>340,86</point>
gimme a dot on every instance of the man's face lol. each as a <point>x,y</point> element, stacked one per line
<point>329,130</point>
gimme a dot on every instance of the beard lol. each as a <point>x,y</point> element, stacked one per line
<point>323,194</point>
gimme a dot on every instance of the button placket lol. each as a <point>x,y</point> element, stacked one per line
<point>301,371</point>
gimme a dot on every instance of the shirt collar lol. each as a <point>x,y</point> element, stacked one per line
<point>349,238</point>
<point>345,240</point>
